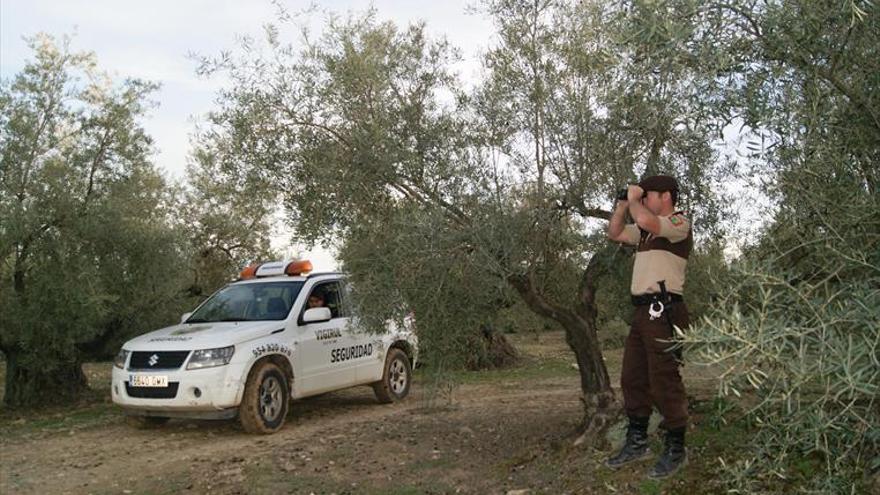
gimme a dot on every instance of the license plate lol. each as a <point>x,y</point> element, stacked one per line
<point>148,380</point>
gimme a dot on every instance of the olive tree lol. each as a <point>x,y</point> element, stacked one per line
<point>225,219</point>
<point>800,325</point>
<point>86,255</point>
<point>448,203</point>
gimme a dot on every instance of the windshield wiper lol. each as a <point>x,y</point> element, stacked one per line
<point>196,320</point>
<point>235,319</point>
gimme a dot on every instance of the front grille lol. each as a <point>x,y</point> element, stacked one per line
<point>168,392</point>
<point>164,360</point>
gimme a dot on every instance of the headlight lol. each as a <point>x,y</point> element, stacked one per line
<point>207,358</point>
<point>121,357</point>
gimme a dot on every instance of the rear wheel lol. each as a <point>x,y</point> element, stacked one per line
<point>266,397</point>
<point>396,379</point>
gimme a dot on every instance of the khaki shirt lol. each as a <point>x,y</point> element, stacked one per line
<point>661,257</point>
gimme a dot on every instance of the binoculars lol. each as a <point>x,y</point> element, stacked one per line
<point>622,193</point>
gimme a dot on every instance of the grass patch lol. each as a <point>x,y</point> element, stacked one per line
<point>168,484</point>
<point>650,487</point>
<point>527,369</point>
<point>405,490</point>
<point>265,478</point>
<point>90,412</point>
<point>94,408</point>
<point>439,463</point>
<point>583,471</point>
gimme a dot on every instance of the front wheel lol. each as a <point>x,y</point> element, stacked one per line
<point>266,397</point>
<point>396,379</point>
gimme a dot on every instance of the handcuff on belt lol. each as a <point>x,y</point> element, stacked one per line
<point>658,306</point>
<point>656,313</point>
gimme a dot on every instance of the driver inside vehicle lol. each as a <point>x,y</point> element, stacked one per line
<point>316,300</point>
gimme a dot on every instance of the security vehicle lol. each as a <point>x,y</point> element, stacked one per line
<point>277,333</point>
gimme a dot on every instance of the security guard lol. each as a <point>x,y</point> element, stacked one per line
<point>650,375</point>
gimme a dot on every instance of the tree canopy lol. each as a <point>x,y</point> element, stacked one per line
<point>95,245</point>
<point>452,203</point>
<point>83,217</point>
<point>799,325</point>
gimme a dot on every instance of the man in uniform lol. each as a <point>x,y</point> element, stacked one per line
<point>650,375</point>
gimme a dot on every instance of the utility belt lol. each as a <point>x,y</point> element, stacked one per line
<point>659,306</point>
<point>646,299</point>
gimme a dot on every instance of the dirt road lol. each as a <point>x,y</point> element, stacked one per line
<point>500,431</point>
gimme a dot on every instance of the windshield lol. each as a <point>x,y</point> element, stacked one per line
<point>249,302</point>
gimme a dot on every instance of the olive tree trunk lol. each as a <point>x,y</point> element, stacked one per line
<point>30,383</point>
<point>601,408</point>
<point>494,350</point>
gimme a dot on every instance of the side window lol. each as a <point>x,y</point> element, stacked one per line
<point>328,295</point>
<point>345,299</point>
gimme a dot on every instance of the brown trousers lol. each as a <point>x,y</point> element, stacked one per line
<point>650,374</point>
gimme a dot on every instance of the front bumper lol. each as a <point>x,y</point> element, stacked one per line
<point>202,393</point>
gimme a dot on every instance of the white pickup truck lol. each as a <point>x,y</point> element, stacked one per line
<point>275,334</point>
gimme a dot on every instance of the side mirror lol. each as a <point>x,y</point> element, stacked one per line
<point>316,315</point>
<point>185,316</point>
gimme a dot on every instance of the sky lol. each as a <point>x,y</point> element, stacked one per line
<point>154,41</point>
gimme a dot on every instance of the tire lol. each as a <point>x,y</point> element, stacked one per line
<point>266,398</point>
<point>396,378</point>
<point>146,422</point>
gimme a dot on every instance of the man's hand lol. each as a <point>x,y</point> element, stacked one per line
<point>644,218</point>
<point>634,193</point>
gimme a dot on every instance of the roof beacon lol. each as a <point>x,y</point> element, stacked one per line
<point>298,267</point>
<point>249,272</point>
<point>292,268</point>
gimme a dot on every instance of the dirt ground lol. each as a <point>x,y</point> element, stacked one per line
<point>508,431</point>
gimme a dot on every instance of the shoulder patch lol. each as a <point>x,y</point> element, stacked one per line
<point>676,220</point>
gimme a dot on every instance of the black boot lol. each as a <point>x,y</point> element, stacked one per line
<point>636,446</point>
<point>674,455</point>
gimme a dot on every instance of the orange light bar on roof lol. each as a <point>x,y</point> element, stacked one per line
<point>249,272</point>
<point>298,267</point>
